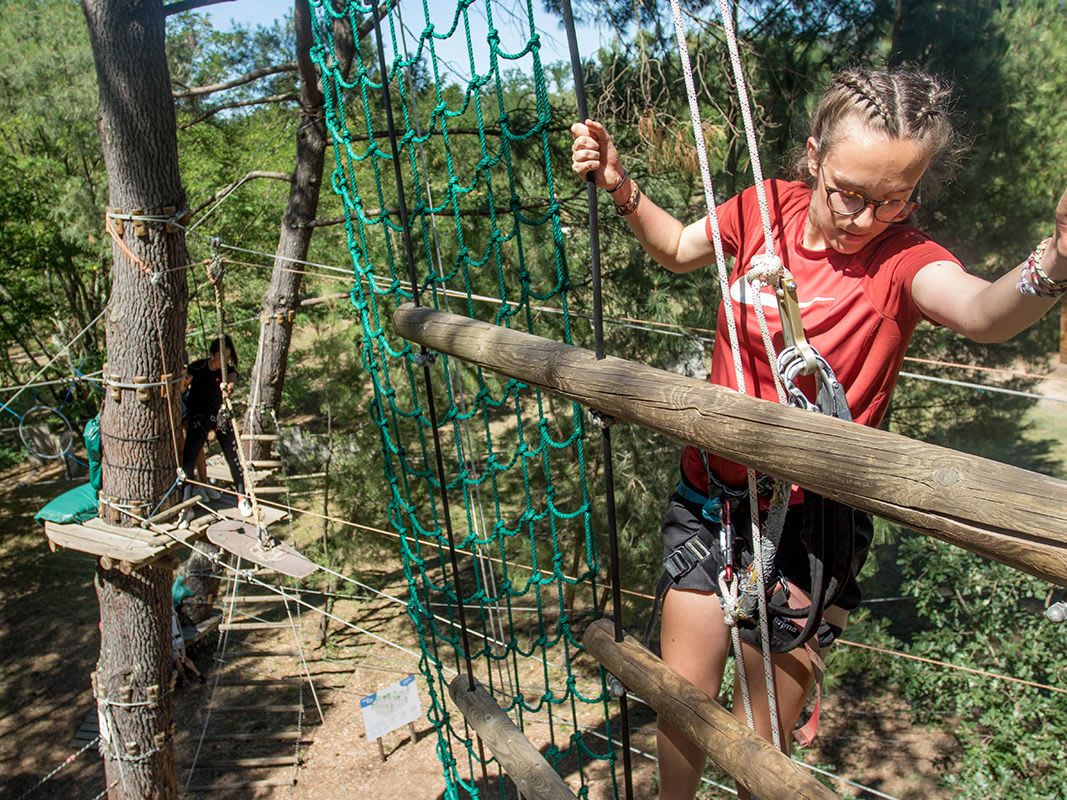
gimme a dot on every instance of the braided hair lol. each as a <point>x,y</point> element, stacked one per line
<point>903,103</point>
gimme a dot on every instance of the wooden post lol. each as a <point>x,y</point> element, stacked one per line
<point>522,762</point>
<point>753,762</point>
<point>1063,333</point>
<point>1000,512</point>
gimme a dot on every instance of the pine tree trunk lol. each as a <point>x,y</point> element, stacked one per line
<point>282,296</point>
<point>145,327</point>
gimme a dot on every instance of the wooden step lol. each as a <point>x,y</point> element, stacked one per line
<point>259,681</point>
<point>257,626</point>
<point>266,464</point>
<point>289,708</point>
<point>271,489</point>
<point>293,735</point>
<point>258,598</point>
<point>288,760</point>
<point>259,654</point>
<point>217,786</point>
<point>260,437</point>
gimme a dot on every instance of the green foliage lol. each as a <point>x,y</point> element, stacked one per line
<point>53,186</point>
<point>989,617</point>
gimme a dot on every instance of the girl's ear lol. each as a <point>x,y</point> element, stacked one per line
<point>812,147</point>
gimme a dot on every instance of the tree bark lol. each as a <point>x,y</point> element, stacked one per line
<point>282,296</point>
<point>144,329</point>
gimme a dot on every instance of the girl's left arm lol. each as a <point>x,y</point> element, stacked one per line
<point>985,311</point>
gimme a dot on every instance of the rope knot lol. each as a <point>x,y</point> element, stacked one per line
<point>766,268</point>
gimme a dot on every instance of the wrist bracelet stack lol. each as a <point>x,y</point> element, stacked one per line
<point>1033,282</point>
<point>622,180</point>
<point>623,209</point>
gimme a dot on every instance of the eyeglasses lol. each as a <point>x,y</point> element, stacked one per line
<point>850,204</point>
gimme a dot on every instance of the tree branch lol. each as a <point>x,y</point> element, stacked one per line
<point>225,190</point>
<point>274,98</point>
<point>248,77</point>
<point>189,5</point>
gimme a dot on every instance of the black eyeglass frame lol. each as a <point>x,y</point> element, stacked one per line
<point>912,204</point>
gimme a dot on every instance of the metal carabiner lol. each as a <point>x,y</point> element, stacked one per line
<point>830,394</point>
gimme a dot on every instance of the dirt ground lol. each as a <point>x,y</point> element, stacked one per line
<point>48,642</point>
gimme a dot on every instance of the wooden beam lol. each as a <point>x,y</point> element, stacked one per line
<point>753,762</point>
<point>1000,512</point>
<point>522,762</point>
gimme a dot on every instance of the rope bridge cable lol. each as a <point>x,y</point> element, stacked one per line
<point>649,598</point>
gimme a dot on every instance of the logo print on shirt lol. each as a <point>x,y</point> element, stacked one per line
<point>741,292</point>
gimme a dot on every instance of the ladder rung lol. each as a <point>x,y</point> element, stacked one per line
<point>288,760</point>
<point>259,654</point>
<point>267,464</point>
<point>260,437</point>
<point>256,598</point>
<point>217,787</point>
<point>257,626</point>
<point>271,489</point>
<point>259,681</point>
<point>275,709</point>
<point>281,736</point>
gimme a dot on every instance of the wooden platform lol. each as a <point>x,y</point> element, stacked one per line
<point>132,548</point>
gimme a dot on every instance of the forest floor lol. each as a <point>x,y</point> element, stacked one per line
<point>49,644</point>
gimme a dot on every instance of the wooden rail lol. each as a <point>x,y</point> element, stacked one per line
<point>1000,512</point>
<point>522,762</point>
<point>750,760</point>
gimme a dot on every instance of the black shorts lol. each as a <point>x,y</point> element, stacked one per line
<point>684,520</point>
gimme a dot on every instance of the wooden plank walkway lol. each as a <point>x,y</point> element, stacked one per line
<point>136,547</point>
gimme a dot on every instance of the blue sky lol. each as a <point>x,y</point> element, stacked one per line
<point>454,51</point>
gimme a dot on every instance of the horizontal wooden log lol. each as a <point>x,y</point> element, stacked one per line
<point>751,761</point>
<point>522,762</point>
<point>1000,512</point>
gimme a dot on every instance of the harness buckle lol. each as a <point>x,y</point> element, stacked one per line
<point>684,557</point>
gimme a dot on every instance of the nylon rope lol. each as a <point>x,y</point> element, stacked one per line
<point>649,598</point>
<point>720,261</point>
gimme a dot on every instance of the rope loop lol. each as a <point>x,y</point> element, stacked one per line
<point>767,268</point>
<point>215,267</point>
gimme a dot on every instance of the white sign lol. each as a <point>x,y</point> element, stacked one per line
<point>390,708</point>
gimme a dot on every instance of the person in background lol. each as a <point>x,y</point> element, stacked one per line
<point>205,413</point>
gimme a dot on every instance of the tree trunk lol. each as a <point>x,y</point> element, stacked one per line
<point>282,296</point>
<point>145,327</point>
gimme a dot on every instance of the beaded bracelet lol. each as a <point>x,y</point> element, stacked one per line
<point>623,209</point>
<point>1033,282</point>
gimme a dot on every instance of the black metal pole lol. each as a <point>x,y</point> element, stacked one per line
<point>605,438</point>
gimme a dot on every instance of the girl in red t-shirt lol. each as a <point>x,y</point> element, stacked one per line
<point>865,279</point>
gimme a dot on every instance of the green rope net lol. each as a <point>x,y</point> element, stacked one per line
<point>485,225</point>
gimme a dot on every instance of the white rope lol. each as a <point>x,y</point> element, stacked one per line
<point>746,116</point>
<point>720,261</point>
<point>55,358</point>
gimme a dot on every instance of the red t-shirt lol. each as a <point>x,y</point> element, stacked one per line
<point>857,309</point>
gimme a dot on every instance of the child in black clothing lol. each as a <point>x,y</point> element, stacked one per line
<point>204,413</point>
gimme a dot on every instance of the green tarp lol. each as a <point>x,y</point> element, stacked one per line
<point>78,504</point>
